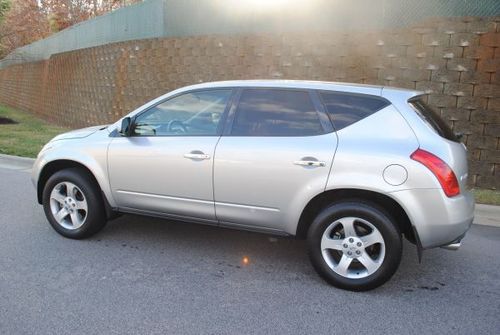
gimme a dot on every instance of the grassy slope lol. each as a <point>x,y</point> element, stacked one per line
<point>488,197</point>
<point>28,136</point>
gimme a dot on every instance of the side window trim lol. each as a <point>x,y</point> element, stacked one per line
<point>221,122</point>
<point>233,105</point>
<point>318,106</point>
<point>325,120</point>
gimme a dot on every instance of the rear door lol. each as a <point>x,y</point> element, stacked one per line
<point>274,157</point>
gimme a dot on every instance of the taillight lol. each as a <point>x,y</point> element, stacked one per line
<point>440,169</point>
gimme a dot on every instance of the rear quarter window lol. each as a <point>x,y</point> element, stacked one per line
<point>345,109</point>
<point>432,119</point>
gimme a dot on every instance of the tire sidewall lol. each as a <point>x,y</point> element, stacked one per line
<point>371,213</point>
<point>95,211</point>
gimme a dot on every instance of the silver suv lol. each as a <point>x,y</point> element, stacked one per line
<point>351,168</point>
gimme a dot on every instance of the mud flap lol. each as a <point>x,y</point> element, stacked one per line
<point>420,250</point>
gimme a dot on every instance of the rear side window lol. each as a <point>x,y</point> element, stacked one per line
<point>345,109</point>
<point>275,112</point>
<point>432,119</point>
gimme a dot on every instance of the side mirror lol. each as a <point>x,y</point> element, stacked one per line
<point>126,126</point>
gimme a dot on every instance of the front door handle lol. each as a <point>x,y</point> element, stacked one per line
<point>310,163</point>
<point>197,155</point>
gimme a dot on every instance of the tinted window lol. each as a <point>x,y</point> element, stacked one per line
<point>433,119</point>
<point>345,109</point>
<point>274,112</point>
<point>195,113</point>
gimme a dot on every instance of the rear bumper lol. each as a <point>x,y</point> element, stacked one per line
<point>437,219</point>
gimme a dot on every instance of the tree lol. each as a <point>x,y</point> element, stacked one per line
<point>65,13</point>
<point>25,21</point>
<point>4,8</point>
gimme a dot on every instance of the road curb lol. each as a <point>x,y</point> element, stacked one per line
<point>487,215</point>
<point>16,162</point>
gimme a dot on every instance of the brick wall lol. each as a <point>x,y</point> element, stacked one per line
<point>455,61</point>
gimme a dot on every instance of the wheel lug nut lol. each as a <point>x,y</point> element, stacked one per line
<point>358,252</point>
<point>359,244</point>
<point>349,253</point>
<point>351,240</point>
<point>345,245</point>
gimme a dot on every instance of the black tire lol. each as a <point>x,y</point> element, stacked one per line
<point>96,215</point>
<point>378,218</point>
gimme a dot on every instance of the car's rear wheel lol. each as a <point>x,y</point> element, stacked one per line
<point>73,204</point>
<point>354,245</point>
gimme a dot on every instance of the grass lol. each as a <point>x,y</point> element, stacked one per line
<point>28,136</point>
<point>487,197</point>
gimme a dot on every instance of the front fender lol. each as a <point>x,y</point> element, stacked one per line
<point>89,154</point>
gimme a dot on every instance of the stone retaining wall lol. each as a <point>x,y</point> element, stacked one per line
<point>455,61</point>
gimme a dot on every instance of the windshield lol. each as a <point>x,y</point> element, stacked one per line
<point>433,119</point>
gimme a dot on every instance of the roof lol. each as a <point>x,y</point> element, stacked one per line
<point>318,85</point>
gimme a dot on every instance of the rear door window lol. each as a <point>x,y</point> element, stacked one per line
<point>276,112</point>
<point>432,119</point>
<point>345,109</point>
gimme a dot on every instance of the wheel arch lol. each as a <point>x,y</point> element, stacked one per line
<point>57,165</point>
<point>61,164</point>
<point>326,198</point>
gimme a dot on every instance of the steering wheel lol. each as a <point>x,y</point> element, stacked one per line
<point>175,126</point>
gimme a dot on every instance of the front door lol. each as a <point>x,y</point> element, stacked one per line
<point>166,165</point>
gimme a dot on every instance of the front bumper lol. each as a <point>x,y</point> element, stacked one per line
<point>35,170</point>
<point>437,219</point>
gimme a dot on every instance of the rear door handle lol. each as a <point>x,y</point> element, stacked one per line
<point>309,163</point>
<point>197,155</point>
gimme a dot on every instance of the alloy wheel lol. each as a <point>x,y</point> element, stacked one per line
<point>353,247</point>
<point>68,205</point>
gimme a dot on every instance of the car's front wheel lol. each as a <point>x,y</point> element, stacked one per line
<point>354,245</point>
<point>73,204</point>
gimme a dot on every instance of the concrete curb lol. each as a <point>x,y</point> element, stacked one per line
<point>16,162</point>
<point>486,215</point>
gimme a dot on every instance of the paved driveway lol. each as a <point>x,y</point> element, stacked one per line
<point>148,276</point>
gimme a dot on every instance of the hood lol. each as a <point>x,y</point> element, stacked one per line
<point>79,133</point>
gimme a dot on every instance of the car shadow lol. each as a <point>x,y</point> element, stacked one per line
<point>267,257</point>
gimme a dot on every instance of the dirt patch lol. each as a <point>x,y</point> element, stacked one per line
<point>6,120</point>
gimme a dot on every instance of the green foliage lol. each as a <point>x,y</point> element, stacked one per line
<point>4,8</point>
<point>53,23</point>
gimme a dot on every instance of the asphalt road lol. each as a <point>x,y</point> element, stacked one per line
<point>149,276</point>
